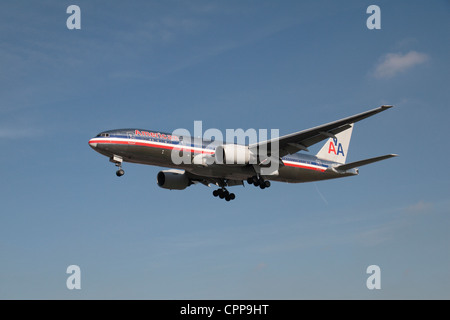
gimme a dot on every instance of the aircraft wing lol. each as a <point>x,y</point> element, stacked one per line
<point>301,140</point>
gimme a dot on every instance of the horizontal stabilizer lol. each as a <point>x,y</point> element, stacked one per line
<point>356,164</point>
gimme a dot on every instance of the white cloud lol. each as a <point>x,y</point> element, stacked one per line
<point>394,63</point>
<point>420,207</point>
<point>378,234</point>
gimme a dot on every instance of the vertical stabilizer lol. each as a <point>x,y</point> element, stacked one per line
<point>336,148</point>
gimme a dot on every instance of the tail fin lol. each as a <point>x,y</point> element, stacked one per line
<point>336,148</point>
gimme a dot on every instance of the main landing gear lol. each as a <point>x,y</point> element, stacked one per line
<point>224,194</point>
<point>118,162</point>
<point>258,182</point>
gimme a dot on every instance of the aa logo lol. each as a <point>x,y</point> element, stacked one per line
<point>335,145</point>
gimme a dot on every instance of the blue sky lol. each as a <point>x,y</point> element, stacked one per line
<point>161,65</point>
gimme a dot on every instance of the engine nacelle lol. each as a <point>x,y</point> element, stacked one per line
<point>173,179</point>
<point>233,154</point>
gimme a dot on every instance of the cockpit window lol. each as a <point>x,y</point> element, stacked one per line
<point>105,135</point>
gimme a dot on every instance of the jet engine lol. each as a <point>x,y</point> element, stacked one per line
<point>233,154</point>
<point>173,179</point>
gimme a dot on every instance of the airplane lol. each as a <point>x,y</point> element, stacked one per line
<point>230,164</point>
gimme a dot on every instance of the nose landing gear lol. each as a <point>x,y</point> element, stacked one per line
<point>118,162</point>
<point>120,172</point>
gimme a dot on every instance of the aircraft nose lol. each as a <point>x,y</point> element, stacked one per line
<point>92,143</point>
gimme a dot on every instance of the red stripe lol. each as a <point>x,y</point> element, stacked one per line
<point>149,144</point>
<point>304,167</point>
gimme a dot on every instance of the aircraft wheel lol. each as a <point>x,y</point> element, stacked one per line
<point>227,198</point>
<point>120,172</point>
<point>262,186</point>
<point>221,194</point>
<point>267,184</point>
<point>232,196</point>
<point>250,180</point>
<point>215,193</point>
